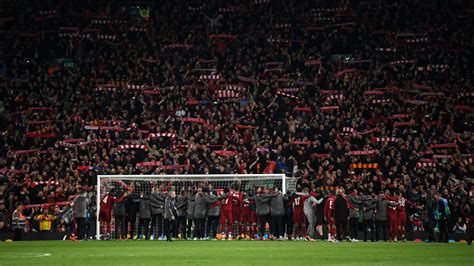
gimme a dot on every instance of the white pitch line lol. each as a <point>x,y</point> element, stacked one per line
<point>43,255</point>
<point>31,255</point>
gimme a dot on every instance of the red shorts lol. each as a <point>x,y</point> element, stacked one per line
<point>236,213</point>
<point>253,217</point>
<point>299,217</point>
<point>402,218</point>
<point>248,216</point>
<point>245,215</point>
<point>105,216</point>
<point>392,222</point>
<point>226,217</point>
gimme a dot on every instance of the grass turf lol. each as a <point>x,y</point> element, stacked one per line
<point>231,253</point>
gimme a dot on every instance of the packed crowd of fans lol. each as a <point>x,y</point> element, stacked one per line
<point>364,95</point>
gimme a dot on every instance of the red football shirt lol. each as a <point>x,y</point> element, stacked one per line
<point>329,207</point>
<point>226,203</point>
<point>298,203</point>
<point>236,199</point>
<point>107,203</point>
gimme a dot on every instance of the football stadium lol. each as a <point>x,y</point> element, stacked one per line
<point>240,132</point>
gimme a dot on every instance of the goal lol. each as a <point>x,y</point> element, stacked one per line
<point>144,184</point>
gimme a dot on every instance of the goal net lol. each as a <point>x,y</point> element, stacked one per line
<point>142,185</point>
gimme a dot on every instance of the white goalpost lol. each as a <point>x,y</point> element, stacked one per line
<point>144,184</point>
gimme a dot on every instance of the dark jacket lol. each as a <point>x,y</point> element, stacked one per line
<point>80,206</point>
<point>190,209</point>
<point>369,208</point>
<point>213,209</point>
<point>157,202</point>
<point>286,202</point>
<point>262,201</point>
<point>132,203</point>
<point>181,203</point>
<point>381,210</point>
<point>341,208</point>
<point>170,212</point>
<point>144,208</point>
<point>119,206</point>
<point>431,207</point>
<point>276,205</point>
<point>201,201</point>
<point>320,207</point>
<point>356,203</point>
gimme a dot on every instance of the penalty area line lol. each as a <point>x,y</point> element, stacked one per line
<point>30,255</point>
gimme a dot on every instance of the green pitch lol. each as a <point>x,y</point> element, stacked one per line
<point>231,253</point>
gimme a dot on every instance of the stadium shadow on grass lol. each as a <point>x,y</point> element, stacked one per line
<point>232,253</point>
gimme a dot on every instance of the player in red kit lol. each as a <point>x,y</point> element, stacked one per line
<point>246,217</point>
<point>226,213</point>
<point>392,217</point>
<point>253,220</point>
<point>329,217</point>
<point>105,213</point>
<point>236,210</point>
<point>402,215</point>
<point>299,219</point>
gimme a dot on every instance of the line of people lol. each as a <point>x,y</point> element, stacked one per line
<point>200,213</point>
<point>204,213</point>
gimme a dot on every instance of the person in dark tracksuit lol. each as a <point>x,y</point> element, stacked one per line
<point>320,213</point>
<point>170,213</point>
<point>288,218</point>
<point>120,215</point>
<point>381,217</point>
<point>341,207</point>
<point>277,210</point>
<point>213,212</point>
<point>132,203</point>
<point>190,212</point>
<point>181,204</point>
<point>144,216</point>
<point>157,202</point>
<point>354,214</point>
<point>201,202</point>
<point>81,204</point>
<point>470,224</point>
<point>368,208</point>
<point>262,203</point>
